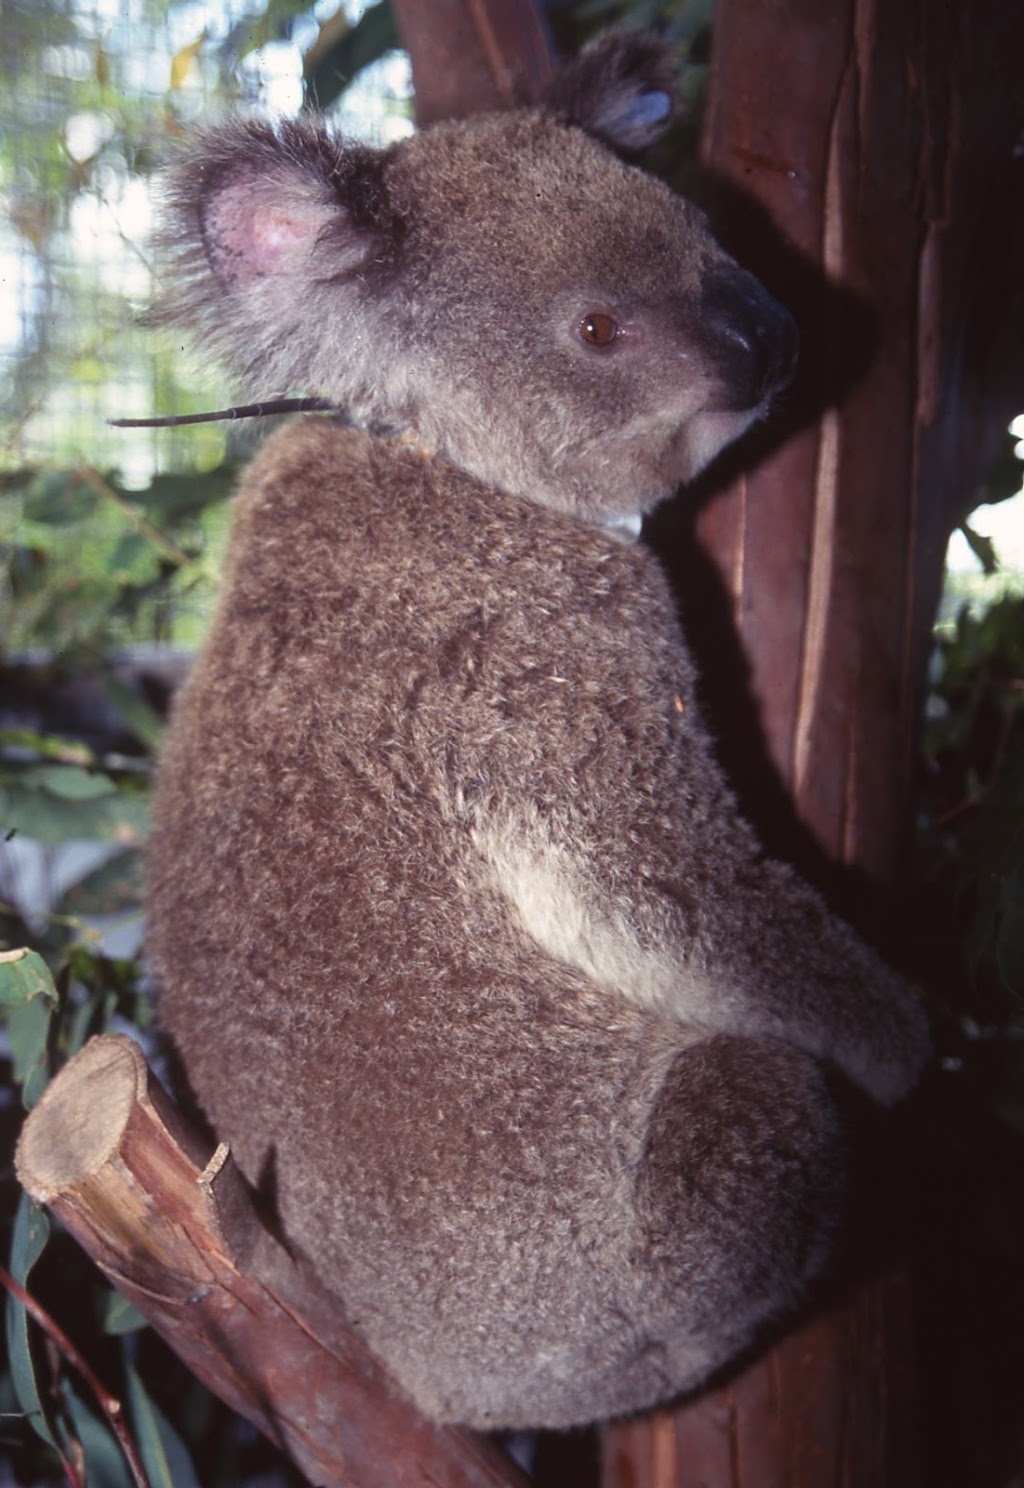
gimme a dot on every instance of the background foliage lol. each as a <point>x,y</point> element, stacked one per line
<point>109,548</point>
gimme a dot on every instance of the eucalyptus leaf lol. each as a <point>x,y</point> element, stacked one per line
<point>66,751</point>
<point>28,1033</point>
<point>36,813</point>
<point>31,1231</point>
<point>92,1016</point>
<point>106,1465</point>
<point>336,58</point>
<point>982,547</point>
<point>58,497</point>
<point>69,782</point>
<point>142,719</point>
<point>1005,475</point>
<point>164,1455</point>
<point>274,23</point>
<point>133,558</point>
<point>24,975</point>
<point>169,498</point>
<point>11,511</point>
<point>120,1316</point>
<point>27,991</point>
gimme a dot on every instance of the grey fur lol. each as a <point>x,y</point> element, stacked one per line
<point>462,941</point>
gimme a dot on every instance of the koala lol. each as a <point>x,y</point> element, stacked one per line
<point>462,941</point>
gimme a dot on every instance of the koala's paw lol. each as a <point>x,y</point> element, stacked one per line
<point>889,1064</point>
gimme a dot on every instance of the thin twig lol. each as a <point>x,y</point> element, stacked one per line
<point>240,411</point>
<point>111,1407</point>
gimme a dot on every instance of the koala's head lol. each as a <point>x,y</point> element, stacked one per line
<point>544,314</point>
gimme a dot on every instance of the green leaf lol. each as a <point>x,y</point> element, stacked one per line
<point>28,993</point>
<point>69,782</point>
<point>142,719</point>
<point>26,806</point>
<point>31,1231</point>
<point>92,1016</point>
<point>342,50</point>
<point>164,1455</point>
<point>28,1032</point>
<point>120,1316</point>
<point>169,498</point>
<point>24,975</point>
<point>273,23</point>
<point>105,1462</point>
<point>11,512</point>
<point>58,497</point>
<point>117,975</point>
<point>66,751</point>
<point>1005,474</point>
<point>132,558</point>
<point>982,547</point>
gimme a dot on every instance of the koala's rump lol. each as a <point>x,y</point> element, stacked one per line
<point>451,1130</point>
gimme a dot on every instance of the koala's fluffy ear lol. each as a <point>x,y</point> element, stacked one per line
<point>620,88</point>
<point>255,219</point>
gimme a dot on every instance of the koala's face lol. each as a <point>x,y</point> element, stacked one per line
<point>551,319</point>
<point>580,336</point>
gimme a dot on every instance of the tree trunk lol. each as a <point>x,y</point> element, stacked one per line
<point>879,141</point>
<point>472,55</point>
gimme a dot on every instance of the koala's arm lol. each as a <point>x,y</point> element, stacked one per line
<point>648,880</point>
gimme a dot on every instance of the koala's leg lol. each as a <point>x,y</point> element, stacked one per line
<point>738,1194</point>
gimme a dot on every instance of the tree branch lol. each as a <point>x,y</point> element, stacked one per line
<point>177,1234</point>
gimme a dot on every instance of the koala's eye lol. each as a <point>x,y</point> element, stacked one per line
<point>599,330</point>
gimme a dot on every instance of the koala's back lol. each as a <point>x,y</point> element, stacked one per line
<point>439,1109</point>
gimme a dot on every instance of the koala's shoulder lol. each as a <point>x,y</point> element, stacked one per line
<point>301,468</point>
<point>320,492</point>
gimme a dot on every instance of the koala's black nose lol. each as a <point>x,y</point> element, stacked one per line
<point>752,340</point>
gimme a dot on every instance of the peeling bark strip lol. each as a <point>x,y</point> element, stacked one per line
<point>111,1156</point>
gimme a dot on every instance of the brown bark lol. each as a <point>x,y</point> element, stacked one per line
<point>878,139</point>
<point>830,1406</point>
<point>111,1156</point>
<point>472,55</point>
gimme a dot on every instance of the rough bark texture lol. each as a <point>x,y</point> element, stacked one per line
<point>110,1155</point>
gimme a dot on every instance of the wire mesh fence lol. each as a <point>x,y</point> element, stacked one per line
<point>92,94</point>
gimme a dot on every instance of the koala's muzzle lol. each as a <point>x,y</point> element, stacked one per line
<point>751,339</point>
